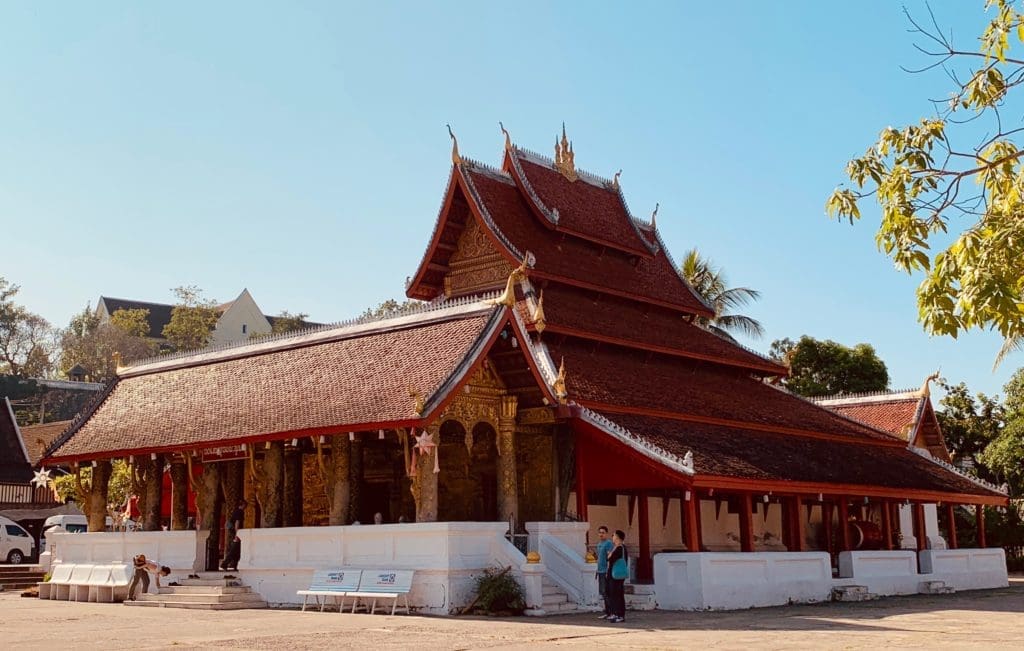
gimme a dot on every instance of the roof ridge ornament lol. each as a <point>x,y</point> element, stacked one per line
<point>456,158</point>
<point>419,404</point>
<point>539,321</point>
<point>654,216</point>
<point>615,179</point>
<point>565,158</point>
<point>508,297</point>
<point>508,138</point>
<point>559,384</point>
<point>926,391</point>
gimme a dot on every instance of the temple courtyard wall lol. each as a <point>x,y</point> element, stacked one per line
<point>446,556</point>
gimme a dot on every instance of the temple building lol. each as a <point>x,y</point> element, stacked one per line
<point>554,380</point>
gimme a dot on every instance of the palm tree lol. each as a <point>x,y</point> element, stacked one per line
<point>710,282</point>
<point>1010,345</point>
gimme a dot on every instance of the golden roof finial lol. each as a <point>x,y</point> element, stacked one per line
<point>654,216</point>
<point>565,157</point>
<point>508,138</point>
<point>925,389</point>
<point>615,179</point>
<point>455,147</point>
<point>508,297</point>
<point>559,384</point>
<point>419,404</point>
<point>539,321</point>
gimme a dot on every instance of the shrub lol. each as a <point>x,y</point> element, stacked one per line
<point>497,590</point>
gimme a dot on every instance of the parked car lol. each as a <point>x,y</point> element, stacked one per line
<point>74,524</point>
<point>16,545</point>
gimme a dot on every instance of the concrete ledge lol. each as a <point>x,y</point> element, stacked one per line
<point>965,569</point>
<point>882,572</point>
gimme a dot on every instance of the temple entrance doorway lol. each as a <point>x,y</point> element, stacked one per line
<point>467,484</point>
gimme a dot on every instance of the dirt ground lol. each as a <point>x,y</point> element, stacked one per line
<point>981,619</point>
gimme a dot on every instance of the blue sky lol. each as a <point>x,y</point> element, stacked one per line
<point>299,149</point>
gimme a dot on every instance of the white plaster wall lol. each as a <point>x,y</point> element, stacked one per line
<point>710,580</point>
<point>722,533</point>
<point>242,311</point>
<point>965,569</point>
<point>176,549</point>
<point>883,572</point>
<point>931,524</point>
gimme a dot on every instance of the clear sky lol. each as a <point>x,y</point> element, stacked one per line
<point>299,149</point>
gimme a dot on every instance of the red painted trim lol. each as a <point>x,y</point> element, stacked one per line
<point>599,437</point>
<point>951,529</point>
<point>844,524</point>
<point>784,487</point>
<point>442,221</point>
<point>708,420</point>
<point>692,521</point>
<point>887,525</point>
<point>644,567</point>
<point>979,516</point>
<point>628,343</point>
<point>797,518</point>
<point>746,523</point>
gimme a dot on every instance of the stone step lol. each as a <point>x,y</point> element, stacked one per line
<point>554,599</point>
<point>204,589</point>
<point>193,605</point>
<point>640,602</point>
<point>551,589</point>
<point>850,593</point>
<point>936,587</point>
<point>17,586</point>
<point>204,599</point>
<point>640,588</point>
<point>211,582</point>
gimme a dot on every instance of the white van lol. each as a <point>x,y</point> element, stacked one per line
<point>73,524</point>
<point>16,546</point>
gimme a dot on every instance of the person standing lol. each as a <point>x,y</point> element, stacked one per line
<point>232,554</point>
<point>236,521</point>
<point>142,569</point>
<point>604,548</point>
<point>618,570</point>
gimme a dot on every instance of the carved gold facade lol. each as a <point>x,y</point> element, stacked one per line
<point>475,266</point>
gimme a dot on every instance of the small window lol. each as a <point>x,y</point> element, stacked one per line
<point>15,530</point>
<point>244,328</point>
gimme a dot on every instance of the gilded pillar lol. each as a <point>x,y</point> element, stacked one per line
<point>508,497</point>
<point>424,483</point>
<point>179,495</point>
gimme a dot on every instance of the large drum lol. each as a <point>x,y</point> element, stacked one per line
<point>865,535</point>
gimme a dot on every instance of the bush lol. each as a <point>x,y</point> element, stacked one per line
<point>497,590</point>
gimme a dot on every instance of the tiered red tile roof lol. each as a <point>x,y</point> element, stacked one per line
<point>38,437</point>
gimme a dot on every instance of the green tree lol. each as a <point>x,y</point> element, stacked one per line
<point>92,344</point>
<point>119,490</point>
<point>26,340</point>
<point>823,368</point>
<point>388,308</point>
<point>287,322</point>
<point>192,319</point>
<point>938,173</point>
<point>1004,455</point>
<point>969,423</point>
<point>711,283</point>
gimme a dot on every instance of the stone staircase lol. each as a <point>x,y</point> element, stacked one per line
<point>640,596</point>
<point>555,600</point>
<point>211,591</point>
<point>936,587</point>
<point>19,577</point>
<point>852,593</point>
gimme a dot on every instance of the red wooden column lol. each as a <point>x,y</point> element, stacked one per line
<point>644,568</point>
<point>826,519</point>
<point>691,520</point>
<point>887,525</point>
<point>746,523</point>
<point>951,529</point>
<point>844,524</point>
<point>797,537</point>
<point>920,530</point>
<point>980,516</point>
<point>581,487</point>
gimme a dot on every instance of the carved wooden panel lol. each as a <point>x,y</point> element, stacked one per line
<point>475,266</point>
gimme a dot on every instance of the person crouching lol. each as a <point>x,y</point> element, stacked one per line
<point>143,568</point>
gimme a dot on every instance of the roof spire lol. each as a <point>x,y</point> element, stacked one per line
<point>615,179</point>
<point>508,297</point>
<point>565,157</point>
<point>508,138</point>
<point>539,321</point>
<point>559,384</point>
<point>455,147</point>
<point>654,216</point>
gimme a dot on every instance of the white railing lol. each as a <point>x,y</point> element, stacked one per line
<point>569,570</point>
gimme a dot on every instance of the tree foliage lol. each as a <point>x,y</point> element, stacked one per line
<point>390,307</point>
<point>969,423</point>
<point>192,319</point>
<point>1004,454</point>
<point>287,322</point>
<point>27,340</point>
<point>823,368</point>
<point>118,492</point>
<point>91,343</point>
<point>938,173</point>
<point>712,284</point>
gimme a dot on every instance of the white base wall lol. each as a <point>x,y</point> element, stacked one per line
<point>966,569</point>
<point>883,572</point>
<point>729,581</point>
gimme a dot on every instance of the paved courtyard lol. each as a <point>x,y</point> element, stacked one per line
<point>983,620</point>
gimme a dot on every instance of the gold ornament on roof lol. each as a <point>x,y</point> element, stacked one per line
<point>419,404</point>
<point>508,138</point>
<point>565,158</point>
<point>508,297</point>
<point>455,147</point>
<point>559,384</point>
<point>925,389</point>
<point>615,179</point>
<point>539,321</point>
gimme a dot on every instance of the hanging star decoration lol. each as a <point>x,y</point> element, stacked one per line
<point>424,444</point>
<point>41,478</point>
